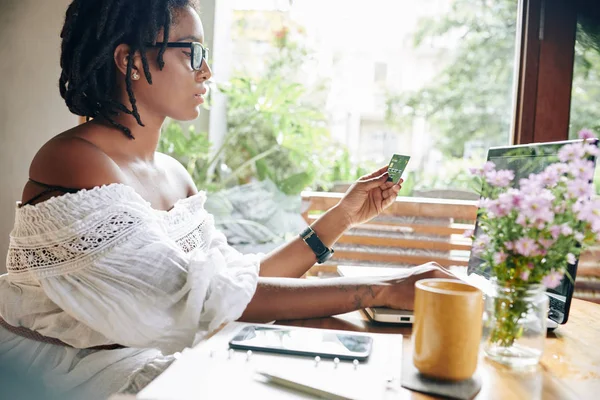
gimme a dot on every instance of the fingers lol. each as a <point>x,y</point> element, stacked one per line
<point>435,270</point>
<point>388,194</point>
<point>375,174</point>
<point>377,181</point>
<point>423,271</point>
<point>390,190</point>
<point>386,185</point>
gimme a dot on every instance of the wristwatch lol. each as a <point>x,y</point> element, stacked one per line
<point>322,252</point>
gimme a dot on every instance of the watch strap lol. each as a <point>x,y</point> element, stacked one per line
<point>322,252</point>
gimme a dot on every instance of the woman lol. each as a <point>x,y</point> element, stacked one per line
<point>113,263</point>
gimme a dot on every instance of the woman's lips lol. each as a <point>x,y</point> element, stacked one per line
<point>199,96</point>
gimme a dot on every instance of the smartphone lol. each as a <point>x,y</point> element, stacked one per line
<point>396,167</point>
<point>303,342</point>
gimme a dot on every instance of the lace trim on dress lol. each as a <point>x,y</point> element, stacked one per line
<point>45,260</point>
<point>195,239</point>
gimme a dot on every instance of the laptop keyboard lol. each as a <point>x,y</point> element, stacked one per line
<point>554,303</point>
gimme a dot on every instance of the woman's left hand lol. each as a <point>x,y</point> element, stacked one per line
<point>368,197</point>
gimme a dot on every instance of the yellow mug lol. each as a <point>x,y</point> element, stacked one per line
<point>447,328</point>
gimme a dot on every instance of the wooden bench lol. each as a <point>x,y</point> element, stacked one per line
<point>418,230</point>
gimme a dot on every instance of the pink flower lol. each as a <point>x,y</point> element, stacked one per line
<point>566,230</point>
<point>571,152</point>
<point>560,208</point>
<point>546,243</point>
<point>586,134</point>
<point>530,265</point>
<point>538,207</point>
<point>555,231</point>
<point>525,275</point>
<point>510,199</point>
<point>582,169</point>
<point>552,280</point>
<point>468,233</point>
<point>484,202</point>
<point>501,178</point>
<point>588,211</point>
<point>530,185</point>
<point>579,188</point>
<point>596,226</point>
<point>571,258</point>
<point>481,243</point>
<point>526,246</point>
<point>522,220</point>
<point>549,177</point>
<point>476,171</point>
<point>485,239</point>
<point>559,168</point>
<point>509,245</point>
<point>498,208</point>
<point>499,257</point>
<point>487,168</point>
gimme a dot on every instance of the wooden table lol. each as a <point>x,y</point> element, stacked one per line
<point>569,369</point>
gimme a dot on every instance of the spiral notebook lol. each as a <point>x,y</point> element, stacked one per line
<point>211,370</point>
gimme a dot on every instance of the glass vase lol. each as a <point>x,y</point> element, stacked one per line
<point>514,323</point>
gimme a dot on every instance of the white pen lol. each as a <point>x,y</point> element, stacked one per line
<point>301,387</point>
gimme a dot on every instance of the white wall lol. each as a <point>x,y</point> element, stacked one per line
<point>31,109</point>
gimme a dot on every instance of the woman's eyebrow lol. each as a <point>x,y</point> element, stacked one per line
<point>191,38</point>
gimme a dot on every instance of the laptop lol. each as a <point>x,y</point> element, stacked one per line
<point>523,160</point>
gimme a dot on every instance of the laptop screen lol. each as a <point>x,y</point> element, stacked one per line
<point>524,160</point>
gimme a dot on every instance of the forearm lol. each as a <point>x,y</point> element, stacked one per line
<point>285,298</point>
<point>295,258</point>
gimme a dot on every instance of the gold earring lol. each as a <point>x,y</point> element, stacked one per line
<point>135,76</point>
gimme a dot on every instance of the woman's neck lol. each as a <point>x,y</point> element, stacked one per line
<point>145,138</point>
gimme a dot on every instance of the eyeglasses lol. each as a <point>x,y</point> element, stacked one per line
<point>198,51</point>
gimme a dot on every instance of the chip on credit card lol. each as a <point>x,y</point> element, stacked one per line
<point>397,166</point>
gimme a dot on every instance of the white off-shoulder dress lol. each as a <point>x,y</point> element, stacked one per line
<point>101,267</point>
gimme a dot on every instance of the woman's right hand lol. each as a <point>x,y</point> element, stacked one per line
<point>398,291</point>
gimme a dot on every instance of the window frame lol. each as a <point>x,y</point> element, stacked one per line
<point>544,77</point>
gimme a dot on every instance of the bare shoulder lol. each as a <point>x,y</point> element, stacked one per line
<point>177,171</point>
<point>74,162</point>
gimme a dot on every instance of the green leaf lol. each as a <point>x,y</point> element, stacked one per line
<point>296,183</point>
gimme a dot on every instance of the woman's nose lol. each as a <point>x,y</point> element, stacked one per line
<point>205,73</point>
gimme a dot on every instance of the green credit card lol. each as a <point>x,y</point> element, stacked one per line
<point>396,168</point>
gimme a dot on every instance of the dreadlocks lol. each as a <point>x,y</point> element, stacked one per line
<point>92,31</point>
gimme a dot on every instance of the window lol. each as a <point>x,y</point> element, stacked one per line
<point>432,79</point>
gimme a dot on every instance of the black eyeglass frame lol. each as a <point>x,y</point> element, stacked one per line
<point>193,46</point>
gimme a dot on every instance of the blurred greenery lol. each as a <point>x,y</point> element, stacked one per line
<point>193,150</point>
<point>470,99</point>
<point>272,132</point>
<point>585,101</point>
